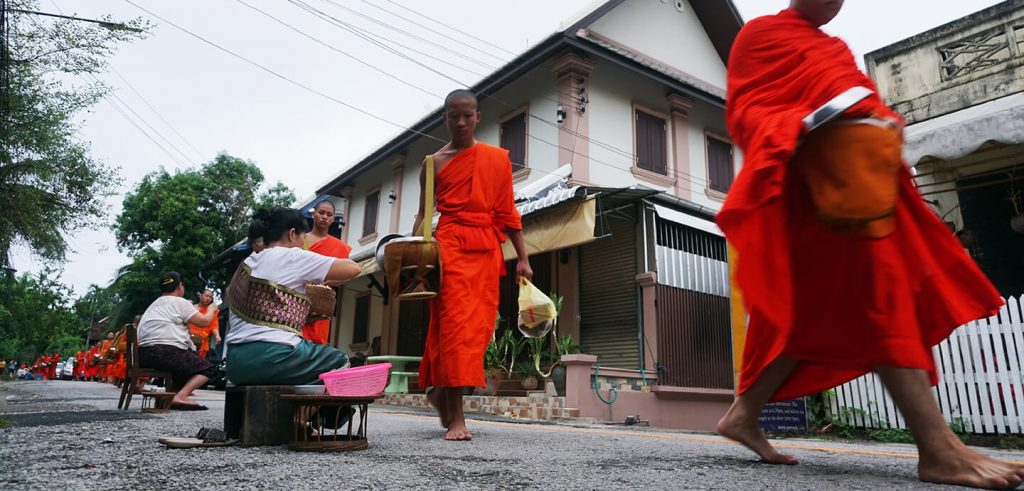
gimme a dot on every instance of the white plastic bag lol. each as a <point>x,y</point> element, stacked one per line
<point>536,311</point>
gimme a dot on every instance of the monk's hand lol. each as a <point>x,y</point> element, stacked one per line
<point>523,270</point>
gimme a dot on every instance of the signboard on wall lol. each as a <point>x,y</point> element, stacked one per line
<point>784,416</point>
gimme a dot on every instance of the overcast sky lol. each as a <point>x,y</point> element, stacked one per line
<point>219,103</point>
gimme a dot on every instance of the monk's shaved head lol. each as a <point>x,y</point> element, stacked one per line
<point>818,12</point>
<point>459,95</point>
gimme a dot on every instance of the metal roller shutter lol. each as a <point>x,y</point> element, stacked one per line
<point>608,294</point>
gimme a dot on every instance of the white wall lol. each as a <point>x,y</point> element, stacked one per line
<point>662,33</point>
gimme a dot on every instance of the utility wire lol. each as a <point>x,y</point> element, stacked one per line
<point>286,79</point>
<point>445,25</point>
<point>429,29</point>
<point>157,113</point>
<point>411,35</point>
<point>349,27</point>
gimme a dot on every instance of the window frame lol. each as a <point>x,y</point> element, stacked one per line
<point>524,111</point>
<point>668,179</point>
<point>711,192</point>
<point>371,235</point>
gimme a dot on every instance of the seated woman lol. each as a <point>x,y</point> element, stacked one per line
<point>269,306</point>
<point>164,343</point>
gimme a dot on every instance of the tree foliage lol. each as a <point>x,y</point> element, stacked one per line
<point>177,222</point>
<point>49,184</point>
<point>36,311</point>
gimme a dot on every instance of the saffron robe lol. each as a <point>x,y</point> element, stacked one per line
<point>841,304</point>
<point>204,332</point>
<point>52,369</point>
<point>104,368</point>
<point>92,369</point>
<point>319,331</point>
<point>474,196</point>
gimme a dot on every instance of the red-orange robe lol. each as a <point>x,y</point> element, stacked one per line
<point>91,370</point>
<point>474,196</point>
<point>79,369</point>
<point>204,332</point>
<point>319,331</point>
<point>841,304</point>
<point>52,369</point>
<point>104,369</point>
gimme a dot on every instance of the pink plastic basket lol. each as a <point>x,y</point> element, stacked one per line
<point>367,380</point>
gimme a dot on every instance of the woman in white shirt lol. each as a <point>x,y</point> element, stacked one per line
<point>269,306</point>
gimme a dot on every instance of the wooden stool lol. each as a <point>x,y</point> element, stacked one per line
<point>156,402</point>
<point>256,415</point>
<point>326,438</point>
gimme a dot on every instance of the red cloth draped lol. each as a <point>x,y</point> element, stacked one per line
<point>319,331</point>
<point>840,304</point>
<point>475,199</point>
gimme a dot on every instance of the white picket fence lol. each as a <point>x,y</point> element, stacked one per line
<point>981,381</point>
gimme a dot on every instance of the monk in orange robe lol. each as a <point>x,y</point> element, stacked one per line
<point>320,242</point>
<point>91,357</point>
<point>205,301</point>
<point>104,366</point>
<point>475,199</point>
<point>54,360</point>
<point>830,300</point>
<point>79,370</point>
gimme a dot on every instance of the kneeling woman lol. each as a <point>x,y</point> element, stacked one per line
<point>268,302</point>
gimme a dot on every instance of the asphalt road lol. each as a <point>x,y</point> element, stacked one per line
<point>69,435</point>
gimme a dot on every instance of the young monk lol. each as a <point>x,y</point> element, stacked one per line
<point>475,199</point>
<point>838,281</point>
<point>205,301</point>
<point>320,242</point>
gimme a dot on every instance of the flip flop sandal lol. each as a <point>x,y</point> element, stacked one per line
<point>215,435</point>
<point>177,406</point>
<point>174,442</point>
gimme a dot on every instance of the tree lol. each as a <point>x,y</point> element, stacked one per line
<point>177,222</point>
<point>49,184</point>
<point>36,312</point>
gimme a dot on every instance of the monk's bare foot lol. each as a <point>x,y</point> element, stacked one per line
<point>736,426</point>
<point>963,466</point>
<point>436,398</point>
<point>184,400</point>
<point>457,432</point>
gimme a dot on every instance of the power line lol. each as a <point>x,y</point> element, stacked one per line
<point>350,106</point>
<point>409,34</point>
<point>143,120</point>
<point>119,109</point>
<point>368,36</point>
<point>157,113</point>
<point>470,46</point>
<point>282,77</point>
<point>339,51</point>
<point>445,25</point>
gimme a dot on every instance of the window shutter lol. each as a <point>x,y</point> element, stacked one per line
<point>370,213</point>
<point>513,139</point>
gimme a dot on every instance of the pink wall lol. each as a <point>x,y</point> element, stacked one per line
<point>665,407</point>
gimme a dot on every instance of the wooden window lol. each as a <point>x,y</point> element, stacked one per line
<point>651,152</point>
<point>370,213</point>
<point>513,139</point>
<point>720,165</point>
<point>361,326</point>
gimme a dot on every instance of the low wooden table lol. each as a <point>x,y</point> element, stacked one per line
<point>156,402</point>
<point>311,434</point>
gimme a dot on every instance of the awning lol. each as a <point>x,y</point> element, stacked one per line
<point>691,221</point>
<point>961,133</point>
<point>565,225</point>
<point>568,225</point>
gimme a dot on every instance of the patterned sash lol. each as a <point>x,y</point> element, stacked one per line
<point>265,303</point>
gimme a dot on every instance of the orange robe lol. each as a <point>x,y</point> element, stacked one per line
<point>91,369</point>
<point>79,369</point>
<point>104,370</point>
<point>54,360</point>
<point>838,303</point>
<point>319,331</point>
<point>44,367</point>
<point>204,332</point>
<point>474,196</point>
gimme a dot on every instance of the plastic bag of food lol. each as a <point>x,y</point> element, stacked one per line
<point>536,311</point>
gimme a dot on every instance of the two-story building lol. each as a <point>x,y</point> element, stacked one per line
<point>960,87</point>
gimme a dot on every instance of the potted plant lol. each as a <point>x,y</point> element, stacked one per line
<point>527,376</point>
<point>564,346</point>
